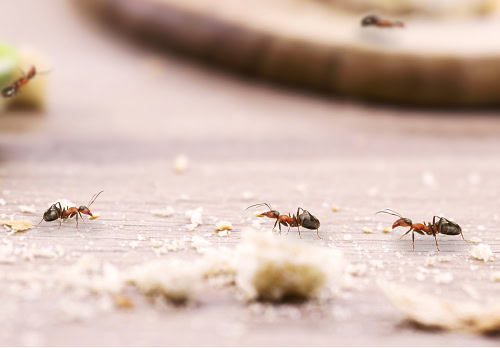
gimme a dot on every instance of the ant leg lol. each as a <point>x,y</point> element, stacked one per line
<point>275,225</point>
<point>413,239</point>
<point>40,222</point>
<point>81,217</point>
<point>288,231</point>
<point>317,233</point>
<point>437,246</point>
<point>76,221</point>
<point>406,233</point>
<point>299,232</point>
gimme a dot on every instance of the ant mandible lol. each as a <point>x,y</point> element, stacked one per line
<point>439,225</point>
<point>304,219</point>
<point>13,89</point>
<point>373,20</point>
<point>57,212</point>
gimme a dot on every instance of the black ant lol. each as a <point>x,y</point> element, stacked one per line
<point>373,20</point>
<point>57,212</point>
<point>13,89</point>
<point>304,219</point>
<point>439,225</point>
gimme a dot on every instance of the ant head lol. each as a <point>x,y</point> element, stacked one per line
<point>369,20</point>
<point>51,214</point>
<point>273,214</point>
<point>404,222</point>
<point>84,210</point>
<point>9,91</point>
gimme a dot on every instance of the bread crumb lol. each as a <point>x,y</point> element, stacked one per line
<point>223,225</point>
<point>123,302</point>
<point>475,240</point>
<point>199,243</point>
<point>29,209</point>
<point>195,218</point>
<point>347,237</point>
<point>180,164</point>
<point>335,208</point>
<point>17,226</point>
<point>429,261</point>
<point>168,211</point>
<point>443,278</point>
<point>387,230</point>
<point>95,216</point>
<point>223,233</point>
<point>437,312</point>
<point>482,252</point>
<point>174,279</point>
<point>367,230</point>
<point>271,268</point>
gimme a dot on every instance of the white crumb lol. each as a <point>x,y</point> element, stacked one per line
<point>495,276</point>
<point>347,237</point>
<point>443,278</point>
<point>17,226</point>
<point>140,237</point>
<point>29,209</point>
<point>155,243</point>
<point>482,252</point>
<point>475,240</point>
<point>199,243</point>
<point>133,244</point>
<point>247,195</point>
<point>195,217</point>
<point>367,230</point>
<point>174,279</point>
<point>180,164</point>
<point>356,269</point>
<point>168,211</point>
<point>2,201</point>
<point>272,268</point>
<point>223,233</point>
<point>430,260</point>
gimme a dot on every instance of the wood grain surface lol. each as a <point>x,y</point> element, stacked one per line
<point>119,112</point>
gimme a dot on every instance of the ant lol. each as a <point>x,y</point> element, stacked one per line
<point>304,219</point>
<point>381,23</point>
<point>57,212</point>
<point>13,89</point>
<point>439,225</point>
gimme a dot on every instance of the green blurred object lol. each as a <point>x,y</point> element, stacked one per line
<point>8,64</point>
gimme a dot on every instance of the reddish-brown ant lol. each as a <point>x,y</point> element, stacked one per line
<point>439,225</point>
<point>373,20</point>
<point>13,89</point>
<point>56,211</point>
<point>304,219</point>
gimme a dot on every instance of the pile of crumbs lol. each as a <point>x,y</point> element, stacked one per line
<point>482,252</point>
<point>16,225</point>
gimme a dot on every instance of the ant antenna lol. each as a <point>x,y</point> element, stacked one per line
<point>390,212</point>
<point>259,205</point>
<point>94,197</point>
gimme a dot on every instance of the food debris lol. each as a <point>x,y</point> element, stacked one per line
<point>347,237</point>
<point>443,278</point>
<point>495,276</point>
<point>17,225</point>
<point>247,195</point>
<point>270,268</point>
<point>356,269</point>
<point>199,243</point>
<point>195,217</point>
<point>387,230</point>
<point>174,279</point>
<point>95,216</point>
<point>223,233</point>
<point>367,230</point>
<point>180,164</point>
<point>123,302</point>
<point>29,209</point>
<point>437,312</point>
<point>2,201</point>
<point>223,225</point>
<point>335,208</point>
<point>168,211</point>
<point>482,252</point>
<point>475,240</point>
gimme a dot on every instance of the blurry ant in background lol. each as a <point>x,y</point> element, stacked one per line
<point>57,212</point>
<point>304,219</point>
<point>373,20</point>
<point>439,225</point>
<point>13,89</point>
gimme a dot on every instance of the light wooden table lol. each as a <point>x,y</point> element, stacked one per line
<point>120,112</point>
